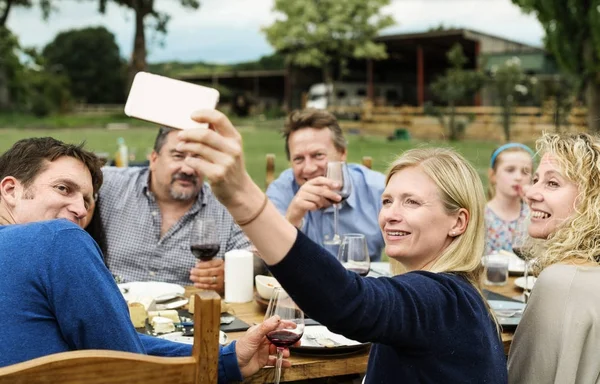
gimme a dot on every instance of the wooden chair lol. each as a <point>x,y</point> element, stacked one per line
<point>367,161</point>
<point>101,366</point>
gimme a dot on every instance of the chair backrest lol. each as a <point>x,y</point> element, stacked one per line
<point>101,366</point>
<point>367,161</point>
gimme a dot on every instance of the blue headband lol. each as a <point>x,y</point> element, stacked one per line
<point>507,146</point>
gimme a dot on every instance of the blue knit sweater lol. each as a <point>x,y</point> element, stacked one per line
<point>57,295</point>
<point>426,327</point>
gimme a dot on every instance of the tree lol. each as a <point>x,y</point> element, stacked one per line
<point>11,71</point>
<point>320,33</point>
<point>159,21</point>
<point>29,86</point>
<point>573,37</point>
<point>456,85</point>
<point>90,58</point>
<point>7,5</point>
<point>6,40</point>
<point>511,85</point>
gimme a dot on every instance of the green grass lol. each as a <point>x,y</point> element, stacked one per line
<point>260,138</point>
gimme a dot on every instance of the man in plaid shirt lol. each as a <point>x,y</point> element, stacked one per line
<point>148,213</point>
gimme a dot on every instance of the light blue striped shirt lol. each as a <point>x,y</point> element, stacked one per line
<point>358,214</point>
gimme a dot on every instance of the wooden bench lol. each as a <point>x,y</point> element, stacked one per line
<point>115,367</point>
<point>367,161</point>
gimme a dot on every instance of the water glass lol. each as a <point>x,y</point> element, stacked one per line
<point>495,269</point>
<point>354,253</point>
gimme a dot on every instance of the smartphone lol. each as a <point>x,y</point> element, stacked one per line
<point>168,102</point>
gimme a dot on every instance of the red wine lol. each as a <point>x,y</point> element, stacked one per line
<point>519,252</point>
<point>205,252</point>
<point>283,338</point>
<point>359,270</point>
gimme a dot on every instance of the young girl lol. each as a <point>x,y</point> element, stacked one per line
<point>510,170</point>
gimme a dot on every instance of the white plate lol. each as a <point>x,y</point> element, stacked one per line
<point>320,336</point>
<point>151,289</point>
<point>508,306</point>
<point>515,265</point>
<point>520,282</point>
<point>379,268</point>
<point>176,336</point>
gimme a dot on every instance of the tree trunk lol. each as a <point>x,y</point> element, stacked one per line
<point>5,103</point>
<point>453,129</point>
<point>328,80</point>
<point>592,99</point>
<point>506,117</point>
<point>5,13</point>
<point>138,57</point>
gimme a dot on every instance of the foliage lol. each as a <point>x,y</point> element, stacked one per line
<point>321,33</point>
<point>48,93</point>
<point>30,87</point>
<point>157,21</point>
<point>90,58</point>
<point>559,94</point>
<point>456,85</point>
<point>573,36</point>
<point>511,86</point>
<point>12,72</point>
<point>175,69</point>
<point>6,6</point>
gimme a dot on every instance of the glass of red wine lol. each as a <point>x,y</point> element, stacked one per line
<point>520,246</point>
<point>291,326</point>
<point>338,171</point>
<point>204,241</point>
<point>354,253</point>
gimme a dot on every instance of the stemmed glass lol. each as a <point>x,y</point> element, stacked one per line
<point>291,326</point>
<point>519,248</point>
<point>354,253</point>
<point>338,171</point>
<point>204,242</point>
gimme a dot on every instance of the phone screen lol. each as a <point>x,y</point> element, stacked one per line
<point>167,101</point>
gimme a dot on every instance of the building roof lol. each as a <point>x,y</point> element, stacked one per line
<point>464,33</point>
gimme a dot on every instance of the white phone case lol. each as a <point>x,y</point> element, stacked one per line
<point>168,102</point>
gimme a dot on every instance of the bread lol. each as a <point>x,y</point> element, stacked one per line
<point>138,314</point>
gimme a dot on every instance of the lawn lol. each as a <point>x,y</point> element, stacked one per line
<point>260,138</point>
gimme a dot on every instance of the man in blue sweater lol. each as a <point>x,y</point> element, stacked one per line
<point>303,193</point>
<point>57,294</point>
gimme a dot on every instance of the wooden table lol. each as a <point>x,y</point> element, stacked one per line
<point>509,290</point>
<point>305,367</point>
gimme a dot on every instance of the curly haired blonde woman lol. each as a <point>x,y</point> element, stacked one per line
<point>558,339</point>
<point>429,325</point>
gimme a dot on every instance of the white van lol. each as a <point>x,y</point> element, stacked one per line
<point>323,95</point>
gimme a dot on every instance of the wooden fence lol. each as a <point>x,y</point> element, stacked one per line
<point>482,123</point>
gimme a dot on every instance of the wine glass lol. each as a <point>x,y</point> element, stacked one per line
<point>204,242</point>
<point>519,248</point>
<point>291,326</point>
<point>354,253</point>
<point>338,171</point>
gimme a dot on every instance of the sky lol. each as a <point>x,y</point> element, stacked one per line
<point>229,31</point>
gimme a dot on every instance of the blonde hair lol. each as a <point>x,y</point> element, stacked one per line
<point>491,189</point>
<point>578,237</point>
<point>460,187</point>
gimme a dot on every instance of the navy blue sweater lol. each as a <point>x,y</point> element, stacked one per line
<point>426,327</point>
<point>56,295</point>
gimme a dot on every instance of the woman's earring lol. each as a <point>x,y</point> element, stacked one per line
<point>453,234</point>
